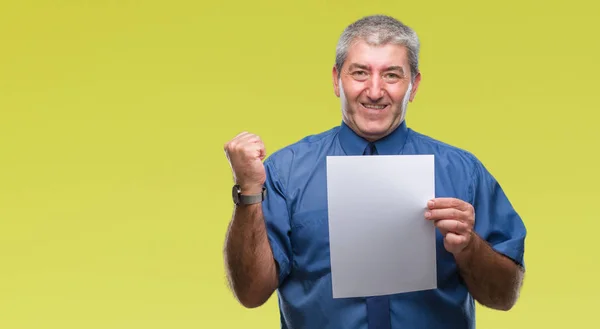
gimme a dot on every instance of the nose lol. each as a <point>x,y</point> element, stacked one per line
<point>375,88</point>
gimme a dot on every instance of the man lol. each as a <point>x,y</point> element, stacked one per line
<point>278,236</point>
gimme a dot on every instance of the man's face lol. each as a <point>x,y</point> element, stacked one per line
<point>374,88</point>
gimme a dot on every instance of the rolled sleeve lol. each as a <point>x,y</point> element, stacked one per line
<point>496,220</point>
<point>277,221</point>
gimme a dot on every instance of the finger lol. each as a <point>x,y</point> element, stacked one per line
<point>441,203</point>
<point>455,239</point>
<point>239,137</point>
<point>241,141</point>
<point>446,213</point>
<point>234,140</point>
<point>246,138</point>
<point>262,150</point>
<point>452,226</point>
<point>255,150</point>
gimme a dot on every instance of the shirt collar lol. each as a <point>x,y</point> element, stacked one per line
<point>392,144</point>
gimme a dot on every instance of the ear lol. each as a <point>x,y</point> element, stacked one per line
<point>336,81</point>
<point>413,92</point>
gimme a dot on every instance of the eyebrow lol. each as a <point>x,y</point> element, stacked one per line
<point>365,67</point>
<point>395,68</point>
<point>358,66</point>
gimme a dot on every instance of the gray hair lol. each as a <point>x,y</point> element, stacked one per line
<point>379,30</point>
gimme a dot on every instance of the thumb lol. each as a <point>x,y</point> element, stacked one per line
<point>261,151</point>
<point>262,154</point>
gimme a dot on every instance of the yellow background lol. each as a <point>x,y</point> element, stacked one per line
<point>115,191</point>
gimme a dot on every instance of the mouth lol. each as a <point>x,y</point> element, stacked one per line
<point>377,107</point>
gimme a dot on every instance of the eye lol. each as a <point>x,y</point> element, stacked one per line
<point>359,75</point>
<point>391,76</point>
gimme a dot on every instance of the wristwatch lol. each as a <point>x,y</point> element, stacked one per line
<point>239,198</point>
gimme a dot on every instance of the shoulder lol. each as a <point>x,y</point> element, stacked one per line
<point>304,149</point>
<point>448,152</point>
<point>458,166</point>
<point>456,160</point>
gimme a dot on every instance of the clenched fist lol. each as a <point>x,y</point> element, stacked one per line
<point>245,153</point>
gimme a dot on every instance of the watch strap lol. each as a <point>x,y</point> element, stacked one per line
<point>245,199</point>
<point>251,199</point>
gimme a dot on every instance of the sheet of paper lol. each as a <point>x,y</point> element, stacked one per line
<point>380,242</point>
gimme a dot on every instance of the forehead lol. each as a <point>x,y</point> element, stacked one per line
<point>360,52</point>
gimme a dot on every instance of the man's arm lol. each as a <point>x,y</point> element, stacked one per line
<point>249,261</point>
<point>493,279</point>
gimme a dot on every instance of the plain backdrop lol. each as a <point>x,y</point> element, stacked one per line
<point>115,192</point>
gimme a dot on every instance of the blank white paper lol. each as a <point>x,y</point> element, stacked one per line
<point>380,242</point>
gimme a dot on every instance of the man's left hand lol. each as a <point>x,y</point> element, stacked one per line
<point>455,219</point>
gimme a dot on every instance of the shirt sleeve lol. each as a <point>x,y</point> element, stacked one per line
<point>496,221</point>
<point>277,221</point>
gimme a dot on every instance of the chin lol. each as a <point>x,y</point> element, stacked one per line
<point>373,132</point>
<point>374,127</point>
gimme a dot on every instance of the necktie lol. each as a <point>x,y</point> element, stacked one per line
<point>378,307</point>
<point>370,149</point>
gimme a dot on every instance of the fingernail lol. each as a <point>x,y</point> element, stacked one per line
<point>430,203</point>
<point>427,214</point>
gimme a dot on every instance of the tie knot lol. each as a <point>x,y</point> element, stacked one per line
<point>370,149</point>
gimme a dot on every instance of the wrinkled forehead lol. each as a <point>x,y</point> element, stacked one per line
<point>377,57</point>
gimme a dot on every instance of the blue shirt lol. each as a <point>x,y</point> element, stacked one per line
<point>295,213</point>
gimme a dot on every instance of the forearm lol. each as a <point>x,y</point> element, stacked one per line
<point>248,257</point>
<point>493,279</point>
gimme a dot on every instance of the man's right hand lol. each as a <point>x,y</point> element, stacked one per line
<point>245,153</point>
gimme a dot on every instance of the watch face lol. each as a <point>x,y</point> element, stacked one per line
<point>235,193</point>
